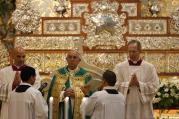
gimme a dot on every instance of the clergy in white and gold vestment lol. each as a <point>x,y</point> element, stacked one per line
<point>10,79</point>
<point>105,104</point>
<point>138,81</point>
<point>67,82</point>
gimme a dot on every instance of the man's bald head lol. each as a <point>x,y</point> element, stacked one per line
<point>18,56</point>
<point>73,59</point>
<point>18,50</point>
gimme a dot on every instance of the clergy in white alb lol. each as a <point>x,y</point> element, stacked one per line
<point>26,102</point>
<point>105,104</point>
<point>10,78</point>
<point>138,81</point>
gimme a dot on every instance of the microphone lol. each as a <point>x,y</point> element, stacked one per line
<point>42,86</point>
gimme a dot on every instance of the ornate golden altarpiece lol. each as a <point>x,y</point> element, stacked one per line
<point>100,30</point>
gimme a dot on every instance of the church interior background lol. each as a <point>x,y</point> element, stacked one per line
<point>99,30</point>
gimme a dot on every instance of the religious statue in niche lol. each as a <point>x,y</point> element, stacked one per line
<point>62,7</point>
<point>104,27</point>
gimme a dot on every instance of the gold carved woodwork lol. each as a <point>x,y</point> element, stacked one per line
<point>102,46</point>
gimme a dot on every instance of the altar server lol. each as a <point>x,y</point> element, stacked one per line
<point>26,102</point>
<point>105,104</point>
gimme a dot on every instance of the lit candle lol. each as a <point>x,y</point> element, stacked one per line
<point>51,107</point>
<point>83,111</point>
<point>66,107</point>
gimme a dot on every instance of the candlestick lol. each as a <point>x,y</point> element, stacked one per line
<point>83,111</point>
<point>51,107</point>
<point>66,107</point>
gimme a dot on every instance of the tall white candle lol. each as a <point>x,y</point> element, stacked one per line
<point>83,111</point>
<point>51,107</point>
<point>66,107</point>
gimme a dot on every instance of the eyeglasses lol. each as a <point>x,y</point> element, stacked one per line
<point>19,56</point>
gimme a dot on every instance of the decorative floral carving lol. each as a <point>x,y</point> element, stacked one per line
<point>173,62</point>
<point>79,8</point>
<point>152,43</point>
<point>62,26</point>
<point>105,60</point>
<point>174,22</point>
<point>35,60</point>
<point>130,8</point>
<point>4,56</point>
<point>158,60</point>
<point>25,18</point>
<point>104,27</point>
<point>46,62</point>
<point>47,8</point>
<point>147,26</point>
<point>43,43</point>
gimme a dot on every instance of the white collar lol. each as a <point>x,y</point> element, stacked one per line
<point>71,72</point>
<point>24,83</point>
<point>109,87</point>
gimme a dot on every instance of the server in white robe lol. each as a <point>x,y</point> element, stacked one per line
<point>105,104</point>
<point>10,78</point>
<point>138,81</point>
<point>26,102</point>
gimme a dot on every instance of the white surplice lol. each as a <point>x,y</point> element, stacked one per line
<point>138,99</point>
<point>6,80</point>
<point>28,104</point>
<point>102,105</point>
